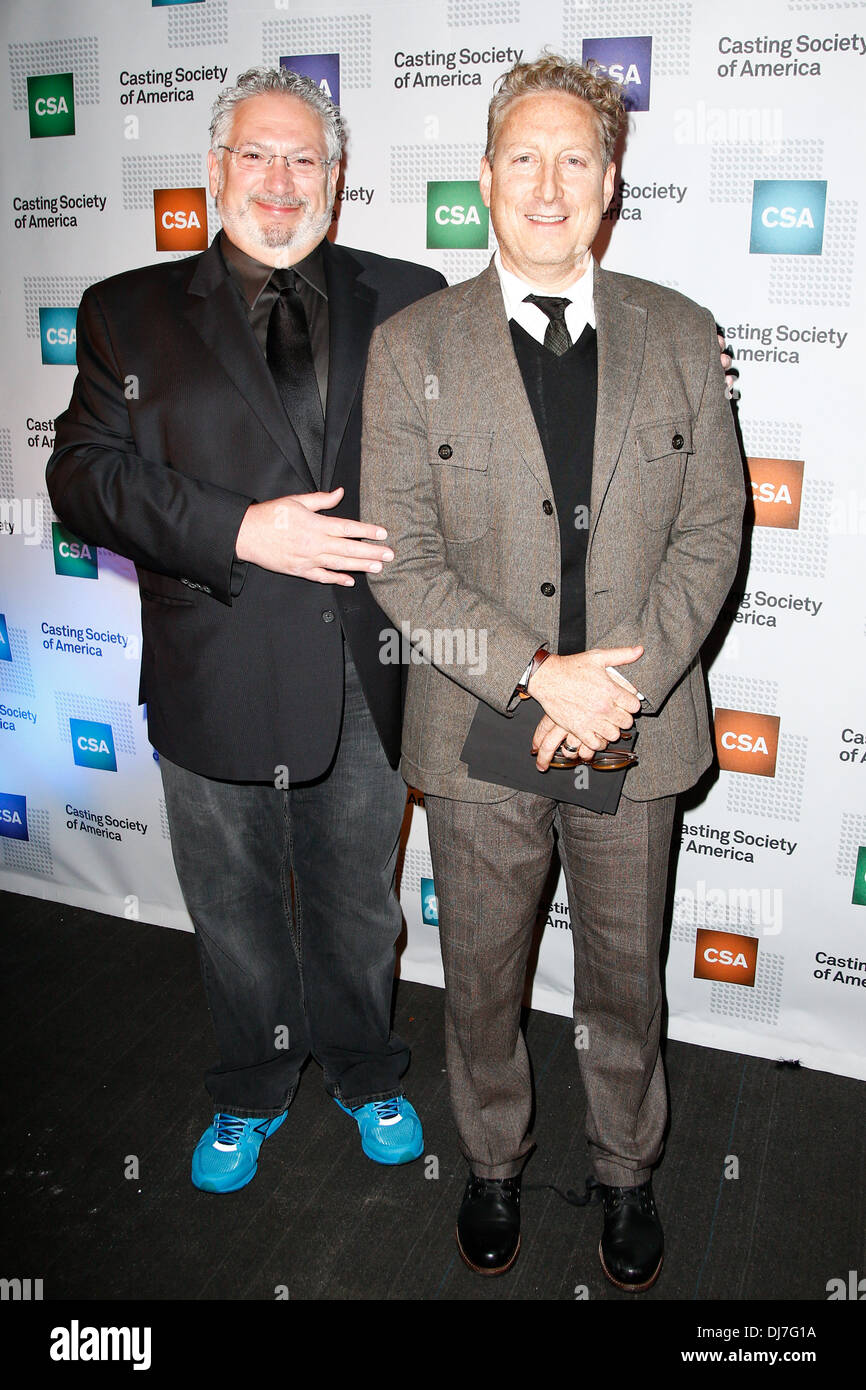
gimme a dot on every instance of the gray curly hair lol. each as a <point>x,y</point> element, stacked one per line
<point>257,82</point>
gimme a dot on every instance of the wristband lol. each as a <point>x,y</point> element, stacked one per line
<point>521,688</point>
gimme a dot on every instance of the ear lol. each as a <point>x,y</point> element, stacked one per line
<point>485,179</point>
<point>213,172</point>
<point>609,183</point>
<point>333,175</point>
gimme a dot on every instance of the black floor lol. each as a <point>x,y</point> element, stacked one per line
<point>106,1035</point>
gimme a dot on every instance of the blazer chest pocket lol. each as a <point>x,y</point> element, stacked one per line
<point>459,464</point>
<point>664,448</point>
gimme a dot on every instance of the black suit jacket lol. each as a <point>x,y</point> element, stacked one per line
<point>175,426</point>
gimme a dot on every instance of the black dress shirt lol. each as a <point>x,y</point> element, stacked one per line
<point>253,280</point>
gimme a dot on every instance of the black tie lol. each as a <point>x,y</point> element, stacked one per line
<point>557,337</point>
<point>290,358</point>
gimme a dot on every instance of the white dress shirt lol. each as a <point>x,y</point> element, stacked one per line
<point>578,313</point>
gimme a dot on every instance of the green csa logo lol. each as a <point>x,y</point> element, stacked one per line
<point>72,555</point>
<point>859,895</point>
<point>51,104</point>
<point>456,216</point>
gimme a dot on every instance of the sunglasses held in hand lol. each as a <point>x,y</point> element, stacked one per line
<point>605,760</point>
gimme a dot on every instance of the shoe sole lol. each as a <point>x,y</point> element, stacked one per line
<point>630,1288</point>
<point>476,1269</point>
<point>218,1191</point>
<point>379,1157</point>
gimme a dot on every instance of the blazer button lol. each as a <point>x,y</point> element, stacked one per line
<point>678,441</point>
<point>445,451</point>
<point>328,615</point>
<point>547,507</point>
<point>548,590</point>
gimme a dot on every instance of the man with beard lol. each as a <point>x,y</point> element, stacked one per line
<point>213,437</point>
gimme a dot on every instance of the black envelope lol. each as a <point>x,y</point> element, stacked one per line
<point>497,749</point>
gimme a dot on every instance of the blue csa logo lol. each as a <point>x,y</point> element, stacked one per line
<point>93,744</point>
<point>57,331</point>
<point>429,903</point>
<point>5,649</point>
<point>627,61</point>
<point>323,68</point>
<point>13,816</point>
<point>156,3</point>
<point>788,217</point>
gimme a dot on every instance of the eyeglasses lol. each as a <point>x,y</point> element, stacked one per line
<point>252,159</point>
<point>604,760</point>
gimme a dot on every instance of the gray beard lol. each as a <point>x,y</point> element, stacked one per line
<point>274,236</point>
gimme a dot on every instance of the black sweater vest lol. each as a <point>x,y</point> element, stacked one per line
<point>562,392</point>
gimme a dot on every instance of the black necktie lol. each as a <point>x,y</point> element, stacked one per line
<point>290,358</point>
<point>557,337</point>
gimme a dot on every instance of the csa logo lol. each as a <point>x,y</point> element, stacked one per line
<point>156,4</point>
<point>788,217</point>
<point>859,894</point>
<point>456,216</point>
<point>747,742</point>
<point>51,104</point>
<point>13,816</point>
<point>180,216</point>
<point>93,744</point>
<point>57,335</point>
<point>777,490</point>
<point>72,555</point>
<point>5,649</point>
<point>429,903</point>
<point>629,62</point>
<point>322,68</point>
<point>722,955</point>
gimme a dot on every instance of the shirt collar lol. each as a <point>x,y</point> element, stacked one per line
<point>253,275</point>
<point>578,313</point>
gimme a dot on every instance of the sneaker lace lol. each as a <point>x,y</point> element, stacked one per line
<point>388,1109</point>
<point>228,1129</point>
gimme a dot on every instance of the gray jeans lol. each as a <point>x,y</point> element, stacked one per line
<point>291,890</point>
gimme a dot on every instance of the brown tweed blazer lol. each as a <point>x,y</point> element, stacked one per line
<point>453,466</point>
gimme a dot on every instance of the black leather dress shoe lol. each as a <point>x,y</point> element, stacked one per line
<point>632,1244</point>
<point>488,1224</point>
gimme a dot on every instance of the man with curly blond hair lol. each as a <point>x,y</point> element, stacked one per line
<point>573,489</point>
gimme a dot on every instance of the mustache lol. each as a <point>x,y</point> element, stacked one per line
<point>280,202</point>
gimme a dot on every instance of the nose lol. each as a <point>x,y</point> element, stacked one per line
<point>549,181</point>
<point>278,178</point>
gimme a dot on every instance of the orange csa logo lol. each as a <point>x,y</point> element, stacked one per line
<point>777,488</point>
<point>722,955</point>
<point>180,218</point>
<point>747,742</point>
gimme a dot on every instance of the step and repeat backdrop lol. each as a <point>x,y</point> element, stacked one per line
<point>738,186</point>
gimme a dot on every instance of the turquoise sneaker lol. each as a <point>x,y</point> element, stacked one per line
<point>390,1129</point>
<point>227,1155</point>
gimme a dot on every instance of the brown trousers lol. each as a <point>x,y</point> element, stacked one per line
<point>489,865</point>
